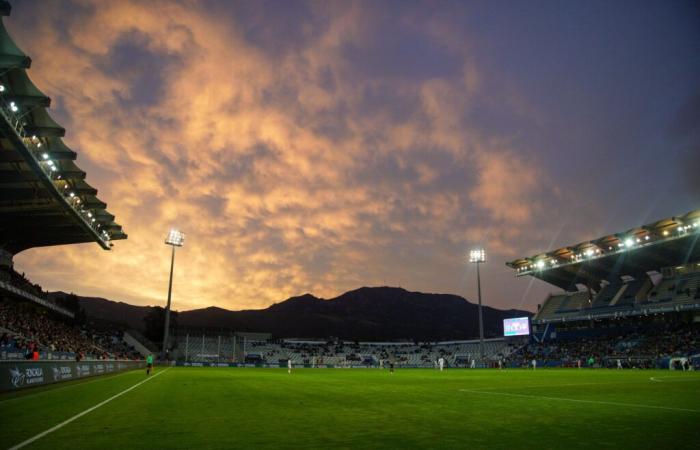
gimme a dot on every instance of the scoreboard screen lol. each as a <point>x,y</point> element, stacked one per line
<point>520,326</point>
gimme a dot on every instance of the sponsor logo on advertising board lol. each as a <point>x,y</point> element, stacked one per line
<point>33,375</point>
<point>16,377</point>
<point>82,370</point>
<point>62,373</point>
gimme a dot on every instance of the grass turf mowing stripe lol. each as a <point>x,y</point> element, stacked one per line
<point>594,402</point>
<point>77,416</point>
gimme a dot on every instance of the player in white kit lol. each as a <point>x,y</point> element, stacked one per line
<point>534,364</point>
<point>441,363</point>
<point>619,364</point>
<point>289,365</point>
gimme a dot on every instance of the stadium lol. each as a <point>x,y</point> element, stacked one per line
<point>610,357</point>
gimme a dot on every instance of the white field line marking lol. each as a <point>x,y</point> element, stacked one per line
<point>68,386</point>
<point>79,415</point>
<point>548,386</point>
<point>594,402</point>
<point>673,378</point>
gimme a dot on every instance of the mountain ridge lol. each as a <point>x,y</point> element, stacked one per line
<point>365,313</point>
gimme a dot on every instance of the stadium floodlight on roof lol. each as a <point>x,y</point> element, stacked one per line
<point>667,242</point>
<point>175,238</point>
<point>35,204</point>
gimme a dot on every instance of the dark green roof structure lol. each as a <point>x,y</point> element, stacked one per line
<point>44,198</point>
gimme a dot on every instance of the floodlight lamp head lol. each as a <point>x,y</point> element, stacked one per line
<point>175,238</point>
<point>477,255</point>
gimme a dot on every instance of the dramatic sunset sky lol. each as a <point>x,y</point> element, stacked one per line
<point>323,146</point>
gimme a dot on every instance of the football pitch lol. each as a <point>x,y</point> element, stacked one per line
<point>359,408</point>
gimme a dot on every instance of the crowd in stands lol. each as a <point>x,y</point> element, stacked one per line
<point>640,347</point>
<point>30,329</point>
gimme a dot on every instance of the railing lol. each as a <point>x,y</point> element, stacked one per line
<point>9,112</point>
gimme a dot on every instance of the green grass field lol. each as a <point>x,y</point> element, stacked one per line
<point>341,408</point>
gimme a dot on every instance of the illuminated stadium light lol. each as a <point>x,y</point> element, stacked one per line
<point>89,214</point>
<point>646,238</point>
<point>589,252</point>
<point>540,264</point>
<point>2,88</point>
<point>71,194</point>
<point>175,238</point>
<point>477,255</point>
<point>665,233</point>
<point>13,107</point>
<point>629,242</point>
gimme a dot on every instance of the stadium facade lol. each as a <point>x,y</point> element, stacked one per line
<point>629,299</point>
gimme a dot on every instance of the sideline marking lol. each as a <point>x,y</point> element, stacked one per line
<point>575,400</point>
<point>79,415</point>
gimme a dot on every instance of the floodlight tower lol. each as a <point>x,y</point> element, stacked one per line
<point>175,239</point>
<point>478,256</point>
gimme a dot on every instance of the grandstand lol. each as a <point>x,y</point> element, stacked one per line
<point>633,295</point>
<point>44,201</point>
<point>263,351</point>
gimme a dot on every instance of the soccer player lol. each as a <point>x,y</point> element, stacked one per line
<point>149,364</point>
<point>441,363</point>
<point>289,365</point>
<point>534,364</point>
<point>473,364</point>
<point>619,364</point>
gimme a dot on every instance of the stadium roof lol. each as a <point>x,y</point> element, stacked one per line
<point>44,199</point>
<point>635,252</point>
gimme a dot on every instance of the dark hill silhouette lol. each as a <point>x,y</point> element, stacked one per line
<point>377,313</point>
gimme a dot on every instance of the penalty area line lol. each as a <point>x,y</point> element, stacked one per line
<point>576,400</point>
<point>79,415</point>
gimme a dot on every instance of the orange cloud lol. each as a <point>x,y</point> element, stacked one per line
<point>289,172</point>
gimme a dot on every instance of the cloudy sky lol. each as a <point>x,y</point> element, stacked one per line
<point>323,146</point>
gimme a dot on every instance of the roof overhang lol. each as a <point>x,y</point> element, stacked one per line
<point>664,243</point>
<point>44,199</point>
